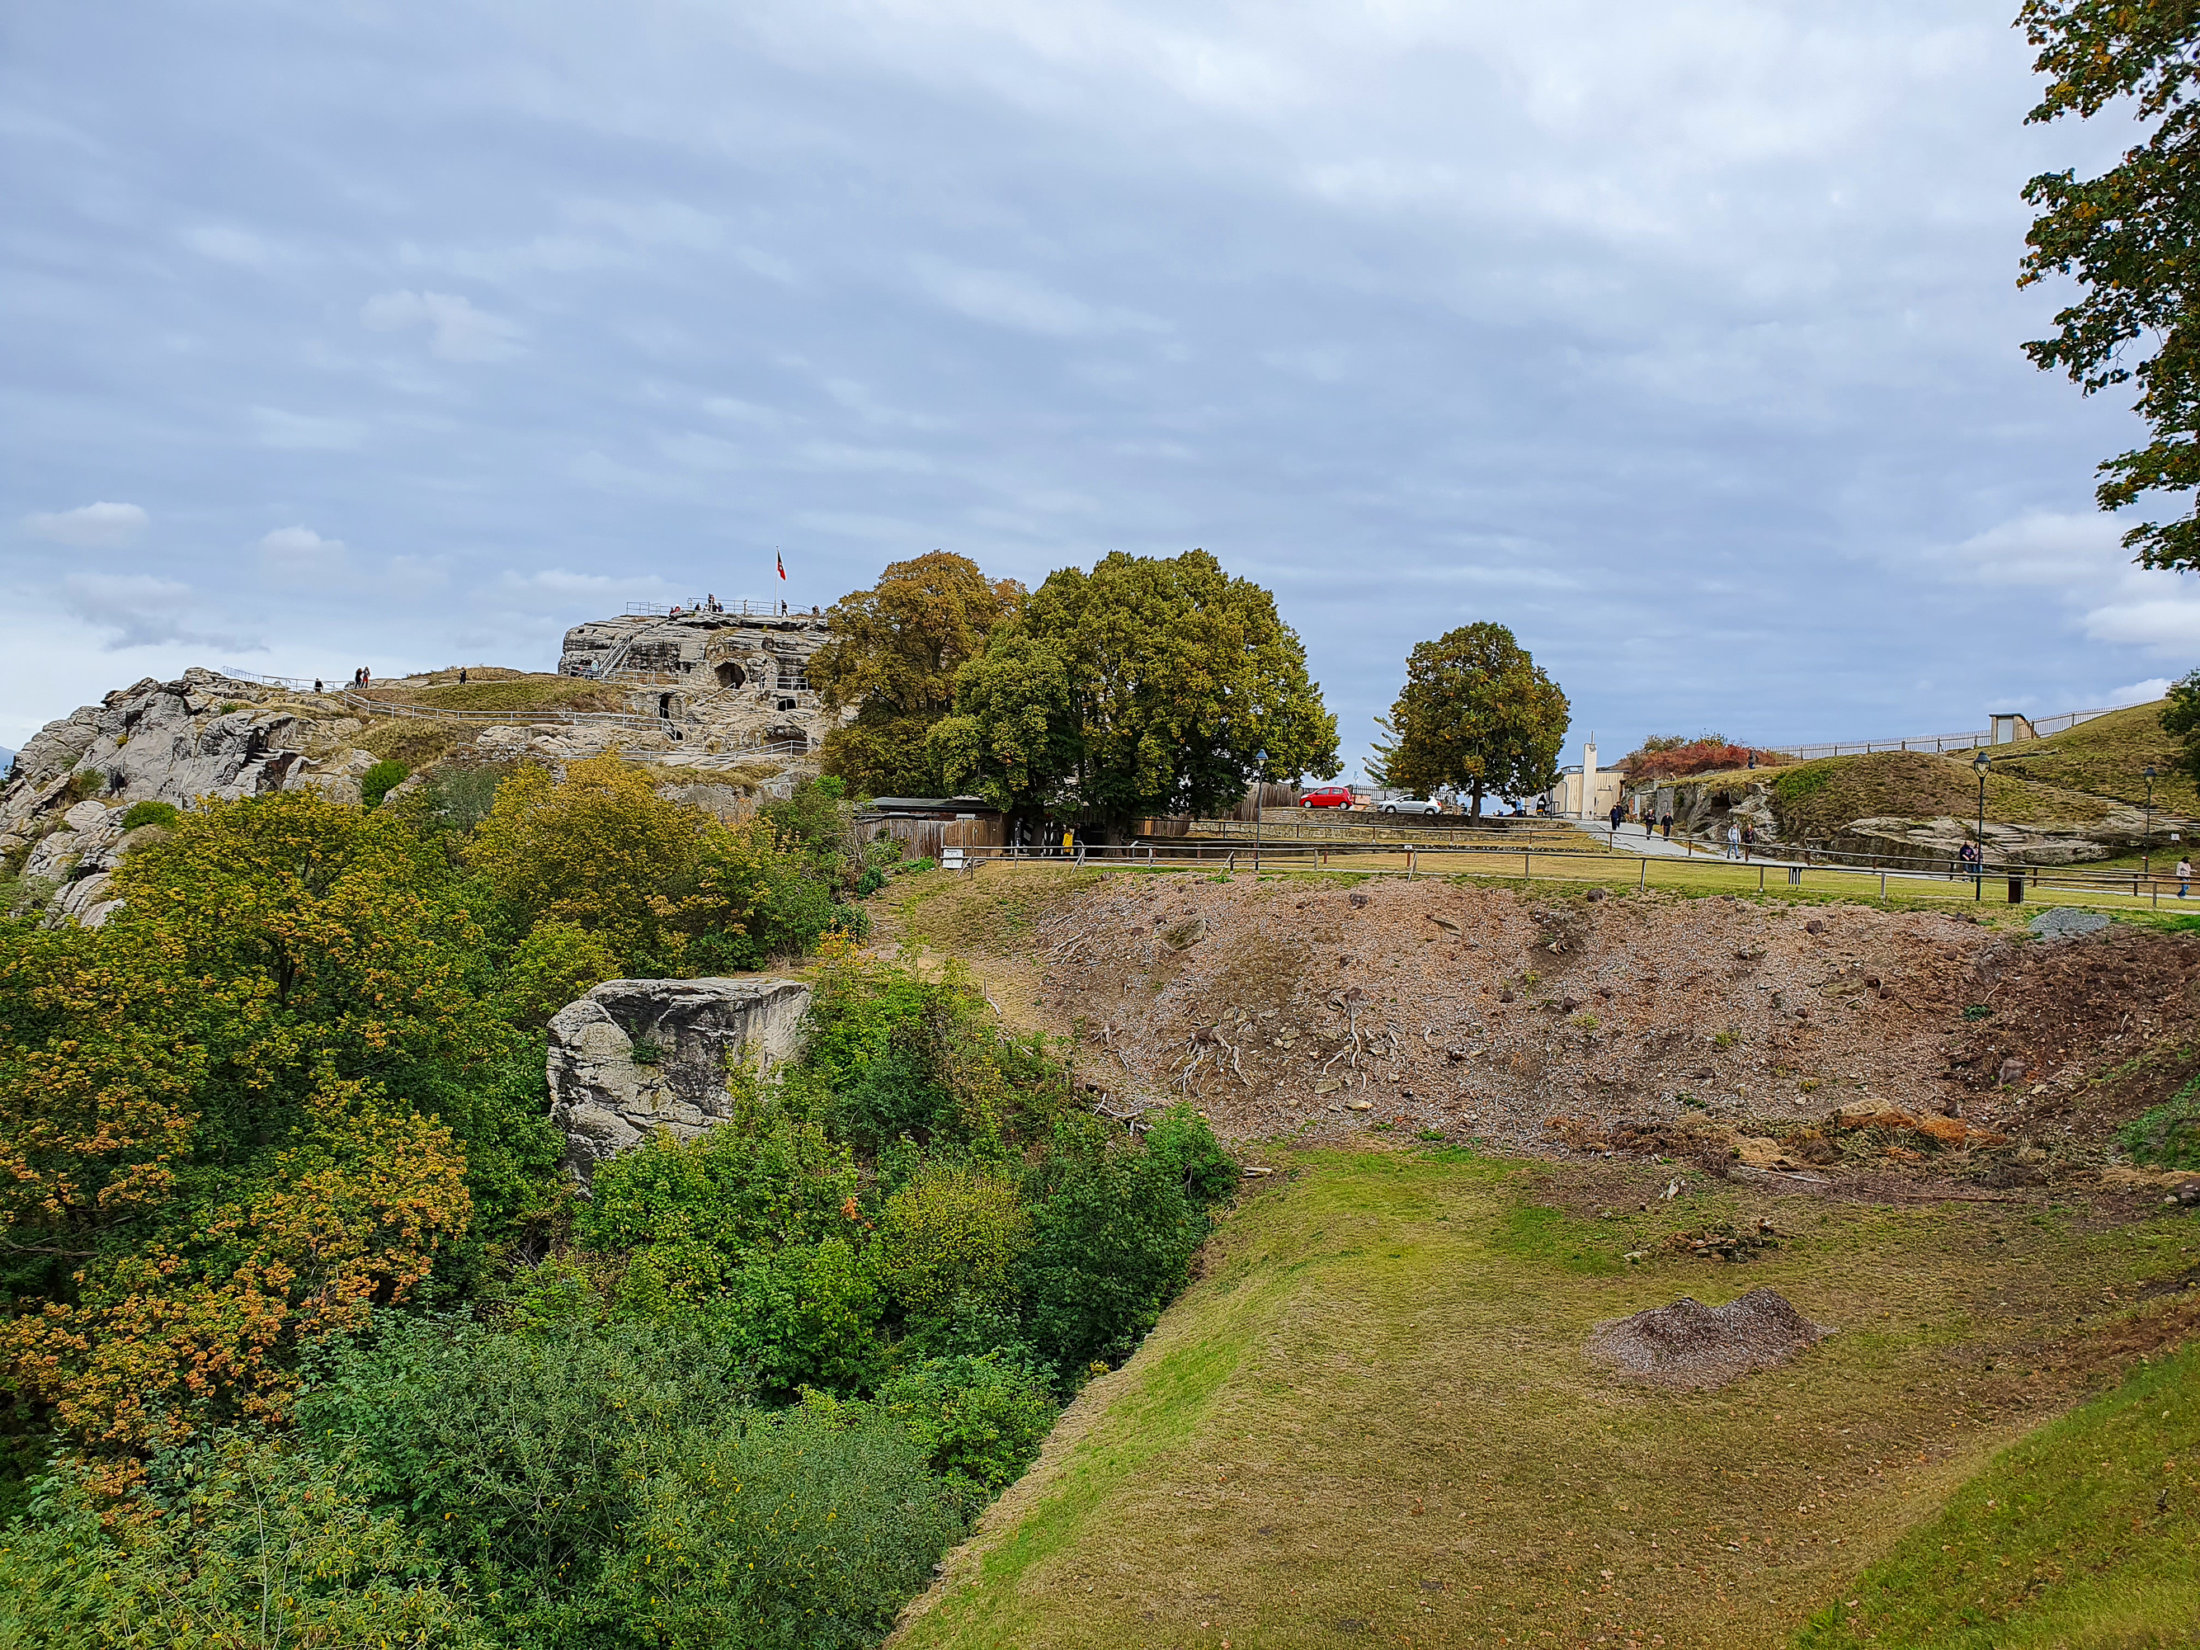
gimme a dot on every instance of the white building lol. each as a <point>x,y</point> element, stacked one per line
<point>1586,791</point>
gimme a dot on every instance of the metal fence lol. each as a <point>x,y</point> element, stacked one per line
<point>745,608</point>
<point>299,683</point>
<point>2041,727</point>
<point>2057,884</point>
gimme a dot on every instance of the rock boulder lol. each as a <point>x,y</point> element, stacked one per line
<point>635,1056</point>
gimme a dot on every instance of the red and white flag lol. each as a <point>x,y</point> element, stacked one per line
<point>782,560</point>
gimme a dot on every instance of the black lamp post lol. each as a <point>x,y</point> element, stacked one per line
<point>2146,848</point>
<point>1982,762</point>
<point>1260,795</point>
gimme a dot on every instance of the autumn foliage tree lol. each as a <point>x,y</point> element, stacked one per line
<point>1671,756</point>
<point>893,653</point>
<point>1476,714</point>
<point>209,1148</point>
<point>2128,237</point>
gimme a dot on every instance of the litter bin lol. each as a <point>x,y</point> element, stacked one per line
<point>2016,887</point>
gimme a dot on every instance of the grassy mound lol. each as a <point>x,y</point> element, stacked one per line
<point>2083,1534</point>
<point>1815,799</point>
<point>516,694</point>
<point>1374,1418</point>
<point>2108,756</point>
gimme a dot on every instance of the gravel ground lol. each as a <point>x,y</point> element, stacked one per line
<point>1691,1344</point>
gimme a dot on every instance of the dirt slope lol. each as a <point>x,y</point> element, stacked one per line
<point>1318,1007</point>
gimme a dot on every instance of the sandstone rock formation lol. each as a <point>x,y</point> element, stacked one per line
<point>202,735</point>
<point>1703,810</point>
<point>634,1056</point>
<point>1939,841</point>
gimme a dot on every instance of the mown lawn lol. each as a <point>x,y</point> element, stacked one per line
<point>1372,1421</point>
<point>2086,1533</point>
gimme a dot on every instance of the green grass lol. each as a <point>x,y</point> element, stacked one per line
<point>1372,1419</point>
<point>990,912</point>
<point>2108,756</point>
<point>516,693</point>
<point>2085,1534</point>
<point>1813,800</point>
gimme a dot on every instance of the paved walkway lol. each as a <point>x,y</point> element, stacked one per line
<point>1631,841</point>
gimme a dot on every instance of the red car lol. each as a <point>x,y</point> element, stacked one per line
<point>1329,796</point>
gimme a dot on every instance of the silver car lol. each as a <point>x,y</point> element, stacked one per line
<point>1408,805</point>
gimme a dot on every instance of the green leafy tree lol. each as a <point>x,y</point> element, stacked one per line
<point>1148,685</point>
<point>1477,714</point>
<point>222,1116</point>
<point>244,1542</point>
<point>2181,716</point>
<point>1015,736</point>
<point>2128,237</point>
<point>613,1485</point>
<point>893,654</point>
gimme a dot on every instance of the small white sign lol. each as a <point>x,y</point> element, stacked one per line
<point>952,858</point>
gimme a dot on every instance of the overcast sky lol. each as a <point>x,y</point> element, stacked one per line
<point>1683,338</point>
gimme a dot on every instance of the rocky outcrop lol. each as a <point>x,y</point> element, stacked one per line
<point>635,1056</point>
<point>1704,809</point>
<point>202,735</point>
<point>1938,842</point>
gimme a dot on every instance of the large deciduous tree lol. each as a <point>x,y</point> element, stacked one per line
<point>1477,713</point>
<point>893,655</point>
<point>1146,686</point>
<point>2130,238</point>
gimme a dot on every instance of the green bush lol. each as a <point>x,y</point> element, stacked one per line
<point>258,1542</point>
<point>610,1485</point>
<point>2168,1136</point>
<point>1113,1235</point>
<point>381,779</point>
<point>149,813</point>
<point>1181,1138</point>
<point>979,1419</point>
<point>459,798</point>
<point>952,1231</point>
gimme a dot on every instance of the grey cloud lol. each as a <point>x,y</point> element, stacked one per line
<point>136,610</point>
<point>456,330</point>
<point>89,526</point>
<point>1682,338</point>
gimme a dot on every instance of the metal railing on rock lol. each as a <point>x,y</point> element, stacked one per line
<point>1939,743</point>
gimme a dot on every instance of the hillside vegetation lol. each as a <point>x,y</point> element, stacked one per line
<point>517,694</point>
<point>2108,756</point>
<point>307,1341</point>
<point>1816,799</point>
<point>2070,778</point>
<point>2083,1534</point>
<point>1374,1420</point>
